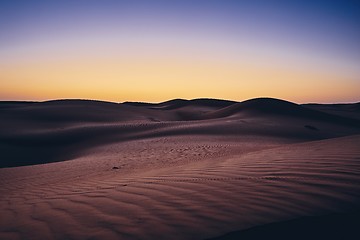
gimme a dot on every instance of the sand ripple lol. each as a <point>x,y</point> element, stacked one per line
<point>197,200</point>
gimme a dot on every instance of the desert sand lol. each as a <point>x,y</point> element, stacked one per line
<point>181,169</point>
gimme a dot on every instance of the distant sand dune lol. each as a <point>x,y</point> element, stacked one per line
<point>348,110</point>
<point>36,133</point>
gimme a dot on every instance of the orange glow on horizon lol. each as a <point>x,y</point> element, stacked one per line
<point>155,80</point>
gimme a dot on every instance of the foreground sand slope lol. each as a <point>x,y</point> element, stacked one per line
<point>224,190</point>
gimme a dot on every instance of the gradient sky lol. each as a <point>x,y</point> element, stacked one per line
<point>152,50</point>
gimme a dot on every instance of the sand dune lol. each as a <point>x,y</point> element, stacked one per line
<point>143,171</point>
<point>348,110</point>
<point>270,106</point>
<point>204,102</point>
<point>329,226</point>
<point>52,131</point>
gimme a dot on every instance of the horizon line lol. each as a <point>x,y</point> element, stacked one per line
<point>172,99</point>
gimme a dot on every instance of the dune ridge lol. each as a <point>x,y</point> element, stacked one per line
<point>74,126</point>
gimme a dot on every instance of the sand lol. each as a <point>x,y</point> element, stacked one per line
<point>199,169</point>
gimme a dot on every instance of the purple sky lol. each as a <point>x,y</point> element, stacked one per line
<point>261,48</point>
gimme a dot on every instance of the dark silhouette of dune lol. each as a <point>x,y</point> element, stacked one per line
<point>271,106</point>
<point>140,104</point>
<point>70,111</point>
<point>351,110</point>
<point>258,106</point>
<point>331,226</point>
<point>205,102</point>
<point>59,130</point>
<point>14,104</point>
<point>262,105</point>
<point>171,104</point>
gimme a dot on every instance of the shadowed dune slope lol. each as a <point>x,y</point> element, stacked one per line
<point>140,104</point>
<point>12,104</point>
<point>200,102</point>
<point>271,106</point>
<point>34,133</point>
<point>48,145</point>
<point>331,226</point>
<point>73,111</point>
<point>351,110</point>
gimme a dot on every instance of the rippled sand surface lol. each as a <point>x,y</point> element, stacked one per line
<point>193,179</point>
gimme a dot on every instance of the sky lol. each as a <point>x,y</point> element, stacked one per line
<point>156,50</point>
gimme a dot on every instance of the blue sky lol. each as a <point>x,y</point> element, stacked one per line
<point>280,39</point>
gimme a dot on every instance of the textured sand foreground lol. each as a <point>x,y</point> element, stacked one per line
<point>175,178</point>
